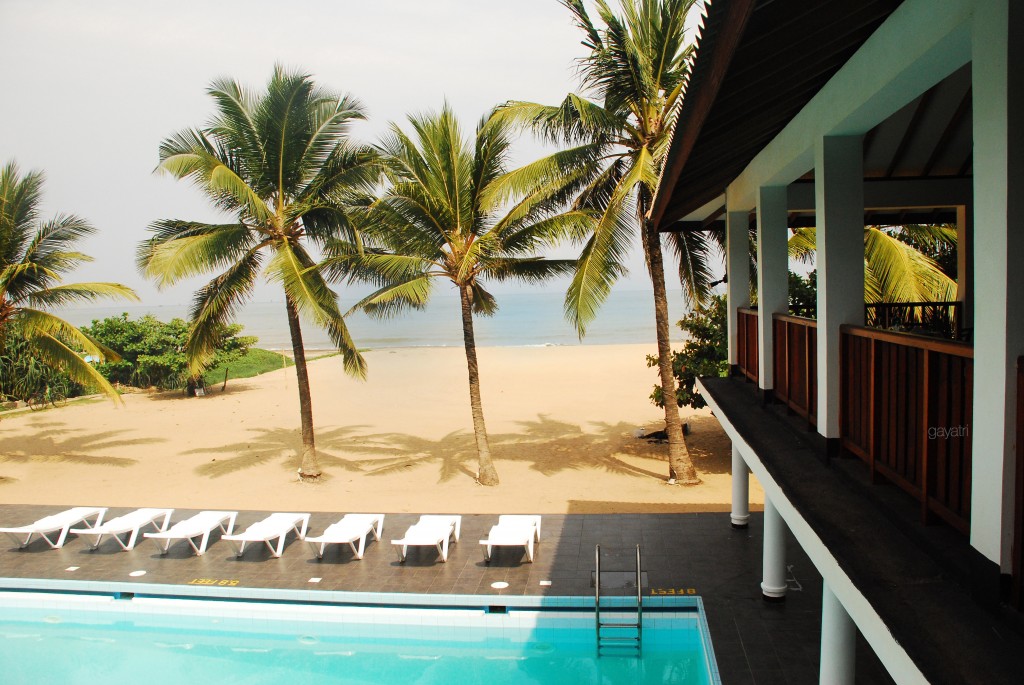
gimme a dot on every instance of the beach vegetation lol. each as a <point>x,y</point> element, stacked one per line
<point>705,353</point>
<point>253,362</point>
<point>617,142</point>
<point>35,254</point>
<point>281,165</point>
<point>454,212</point>
<point>152,352</point>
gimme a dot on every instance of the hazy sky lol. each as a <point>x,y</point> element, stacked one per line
<point>91,88</point>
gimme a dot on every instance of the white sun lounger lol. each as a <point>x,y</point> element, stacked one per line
<point>347,531</point>
<point>274,527</point>
<point>432,530</point>
<point>128,525</point>
<point>61,522</point>
<point>513,530</point>
<point>200,525</point>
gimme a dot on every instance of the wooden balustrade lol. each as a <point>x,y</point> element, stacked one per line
<point>906,409</point>
<point>796,364</point>
<point>746,331</point>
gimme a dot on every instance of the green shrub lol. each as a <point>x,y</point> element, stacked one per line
<point>152,352</point>
<point>703,354</point>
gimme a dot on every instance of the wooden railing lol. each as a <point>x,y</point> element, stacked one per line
<point>746,331</point>
<point>796,364</point>
<point>906,409</point>
<point>930,318</point>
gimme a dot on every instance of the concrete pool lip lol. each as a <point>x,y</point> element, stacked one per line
<point>340,597</point>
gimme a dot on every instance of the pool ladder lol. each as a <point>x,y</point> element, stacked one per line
<point>630,633</point>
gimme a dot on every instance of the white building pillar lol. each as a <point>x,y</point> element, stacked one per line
<point>772,275</point>
<point>839,210</point>
<point>998,94</point>
<point>838,641</point>
<point>773,573</point>
<point>737,270</point>
<point>740,490</point>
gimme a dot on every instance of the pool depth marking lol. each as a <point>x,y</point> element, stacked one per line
<point>673,591</point>
<point>213,581</point>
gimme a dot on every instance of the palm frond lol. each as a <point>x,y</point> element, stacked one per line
<point>63,295</point>
<point>313,299</point>
<point>400,295</point>
<point>59,356</point>
<point>599,265</point>
<point>903,274</point>
<point>182,249</point>
<point>215,304</point>
<point>693,251</point>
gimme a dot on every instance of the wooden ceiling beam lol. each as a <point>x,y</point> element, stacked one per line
<point>695,110</point>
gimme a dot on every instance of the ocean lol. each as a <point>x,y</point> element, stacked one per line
<point>523,319</point>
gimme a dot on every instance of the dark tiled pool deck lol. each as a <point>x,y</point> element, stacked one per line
<point>755,642</point>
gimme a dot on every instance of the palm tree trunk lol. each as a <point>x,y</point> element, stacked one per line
<point>680,467</point>
<point>309,470</point>
<point>487,474</point>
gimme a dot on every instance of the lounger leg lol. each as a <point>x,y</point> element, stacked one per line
<point>21,543</point>
<point>60,540</point>
<point>402,551</point>
<point>443,549</point>
<point>362,547</point>
<point>131,540</point>
<point>529,549</point>
<point>378,529</point>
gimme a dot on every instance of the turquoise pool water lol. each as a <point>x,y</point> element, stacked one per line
<point>85,639</point>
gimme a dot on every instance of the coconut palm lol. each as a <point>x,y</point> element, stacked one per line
<point>636,69</point>
<point>895,270</point>
<point>452,212</point>
<point>34,256</point>
<point>281,164</point>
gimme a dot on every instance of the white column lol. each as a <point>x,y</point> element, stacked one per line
<point>838,641</point>
<point>740,490</point>
<point>998,94</point>
<point>737,269</point>
<point>773,574</point>
<point>839,210</point>
<point>772,275</point>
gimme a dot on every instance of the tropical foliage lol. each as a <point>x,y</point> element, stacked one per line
<point>281,164</point>
<point>705,353</point>
<point>899,265</point>
<point>34,256</point>
<point>152,352</point>
<point>636,70</point>
<point>452,212</point>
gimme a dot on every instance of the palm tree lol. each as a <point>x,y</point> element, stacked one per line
<point>34,255</point>
<point>452,212</point>
<point>895,267</point>
<point>637,66</point>
<point>281,163</point>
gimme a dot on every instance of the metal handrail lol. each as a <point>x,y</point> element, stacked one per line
<point>639,605</point>
<point>597,596</point>
<point>597,604</point>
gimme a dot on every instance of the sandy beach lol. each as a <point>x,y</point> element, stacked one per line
<point>562,424</point>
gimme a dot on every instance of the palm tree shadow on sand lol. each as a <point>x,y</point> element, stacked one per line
<point>51,442</point>
<point>548,445</point>
<point>267,445</point>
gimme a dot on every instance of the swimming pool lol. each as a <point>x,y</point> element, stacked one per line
<point>66,638</point>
